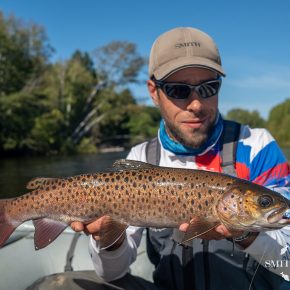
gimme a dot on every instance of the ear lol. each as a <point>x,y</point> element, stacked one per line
<point>153,91</point>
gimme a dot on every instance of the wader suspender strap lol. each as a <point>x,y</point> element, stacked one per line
<point>229,138</point>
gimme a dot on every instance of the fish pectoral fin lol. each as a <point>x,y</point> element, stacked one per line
<point>123,164</point>
<point>46,231</point>
<point>197,228</point>
<point>37,182</point>
<point>112,233</point>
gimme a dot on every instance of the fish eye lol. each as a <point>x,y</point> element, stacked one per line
<point>265,201</point>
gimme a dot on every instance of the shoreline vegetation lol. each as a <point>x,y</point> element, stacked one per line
<point>83,104</point>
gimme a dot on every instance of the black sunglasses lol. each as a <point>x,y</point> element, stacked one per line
<point>183,91</point>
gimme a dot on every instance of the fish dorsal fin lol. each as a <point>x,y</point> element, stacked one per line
<point>124,164</point>
<point>37,182</point>
<point>198,227</point>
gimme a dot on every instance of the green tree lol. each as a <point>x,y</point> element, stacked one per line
<point>278,123</point>
<point>17,115</point>
<point>24,54</point>
<point>118,63</point>
<point>143,123</point>
<point>251,118</point>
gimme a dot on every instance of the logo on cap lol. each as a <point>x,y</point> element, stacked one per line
<point>187,44</point>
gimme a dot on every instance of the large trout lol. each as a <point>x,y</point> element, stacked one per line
<point>140,194</point>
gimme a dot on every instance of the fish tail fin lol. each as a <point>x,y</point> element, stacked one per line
<point>7,227</point>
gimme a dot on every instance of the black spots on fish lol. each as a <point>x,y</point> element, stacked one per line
<point>173,203</point>
<point>191,210</point>
<point>114,205</point>
<point>144,186</point>
<point>192,202</point>
<point>209,191</point>
<point>173,179</point>
<point>107,179</point>
<point>84,180</point>
<point>140,177</point>
<point>186,194</point>
<point>70,179</point>
<point>206,203</point>
<point>175,212</point>
<point>116,187</point>
<point>199,195</point>
<point>134,184</point>
<point>172,191</point>
<point>200,207</point>
<point>184,206</point>
<point>185,178</point>
<point>225,209</point>
<point>196,178</point>
<point>112,179</point>
<point>127,192</point>
<point>118,177</point>
<point>63,185</point>
<point>134,173</point>
<point>183,215</point>
<point>150,178</point>
<point>126,179</point>
<point>229,183</point>
<point>178,200</point>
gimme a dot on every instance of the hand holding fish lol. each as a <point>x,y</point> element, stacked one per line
<point>97,227</point>
<point>221,232</point>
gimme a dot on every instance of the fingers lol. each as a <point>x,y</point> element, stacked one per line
<point>77,226</point>
<point>218,233</point>
<point>93,228</point>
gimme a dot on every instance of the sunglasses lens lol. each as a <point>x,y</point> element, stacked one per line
<point>208,90</point>
<point>177,91</point>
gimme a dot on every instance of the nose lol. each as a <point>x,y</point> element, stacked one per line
<point>194,103</point>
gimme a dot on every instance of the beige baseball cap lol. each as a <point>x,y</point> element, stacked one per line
<point>183,47</point>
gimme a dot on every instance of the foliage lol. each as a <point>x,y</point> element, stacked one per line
<point>24,53</point>
<point>253,119</point>
<point>83,103</point>
<point>278,123</point>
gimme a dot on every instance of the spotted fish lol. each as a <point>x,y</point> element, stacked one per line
<point>140,194</point>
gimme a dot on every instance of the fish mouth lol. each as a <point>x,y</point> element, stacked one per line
<point>278,215</point>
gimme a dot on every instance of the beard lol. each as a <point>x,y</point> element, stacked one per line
<point>192,138</point>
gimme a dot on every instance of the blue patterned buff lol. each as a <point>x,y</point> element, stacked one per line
<point>180,149</point>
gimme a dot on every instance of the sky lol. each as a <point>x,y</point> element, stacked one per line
<point>253,37</point>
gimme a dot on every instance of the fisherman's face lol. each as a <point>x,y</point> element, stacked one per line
<point>188,121</point>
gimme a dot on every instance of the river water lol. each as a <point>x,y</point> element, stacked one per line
<point>16,172</point>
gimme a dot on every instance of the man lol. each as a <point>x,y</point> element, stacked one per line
<point>185,74</point>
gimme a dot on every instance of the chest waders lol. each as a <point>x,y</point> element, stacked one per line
<point>229,140</point>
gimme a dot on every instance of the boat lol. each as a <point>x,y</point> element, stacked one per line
<point>24,268</point>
